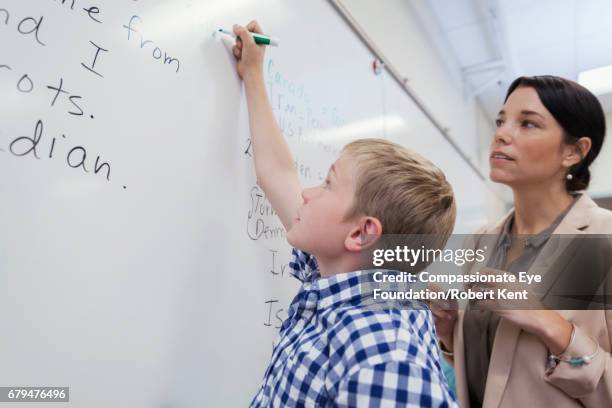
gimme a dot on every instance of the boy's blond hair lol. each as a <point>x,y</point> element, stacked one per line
<point>406,192</point>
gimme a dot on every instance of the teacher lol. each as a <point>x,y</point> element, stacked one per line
<point>549,132</point>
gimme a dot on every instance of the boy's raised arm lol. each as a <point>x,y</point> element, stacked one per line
<point>274,168</point>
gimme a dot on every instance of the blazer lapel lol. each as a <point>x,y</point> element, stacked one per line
<point>555,250</point>
<point>506,337</point>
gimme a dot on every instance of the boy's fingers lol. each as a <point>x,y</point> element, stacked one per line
<point>243,34</point>
<point>254,27</point>
<point>236,52</point>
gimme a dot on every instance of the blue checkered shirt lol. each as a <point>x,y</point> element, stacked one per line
<point>332,350</point>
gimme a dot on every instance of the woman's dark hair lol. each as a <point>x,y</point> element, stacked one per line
<point>578,112</point>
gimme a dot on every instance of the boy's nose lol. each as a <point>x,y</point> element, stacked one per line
<point>307,194</point>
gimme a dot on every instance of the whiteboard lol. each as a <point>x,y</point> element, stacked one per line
<point>140,265</point>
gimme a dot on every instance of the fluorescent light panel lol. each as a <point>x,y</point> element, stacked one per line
<point>598,80</point>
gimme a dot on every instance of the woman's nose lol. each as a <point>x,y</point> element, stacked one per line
<point>502,135</point>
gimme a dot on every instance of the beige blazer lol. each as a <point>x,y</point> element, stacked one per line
<point>516,376</point>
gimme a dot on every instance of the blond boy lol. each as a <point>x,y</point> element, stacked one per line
<point>332,350</point>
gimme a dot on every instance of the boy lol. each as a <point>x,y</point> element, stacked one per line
<point>331,349</point>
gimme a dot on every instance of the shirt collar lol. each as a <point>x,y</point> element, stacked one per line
<point>534,241</point>
<point>357,288</point>
<point>537,240</point>
<point>341,288</point>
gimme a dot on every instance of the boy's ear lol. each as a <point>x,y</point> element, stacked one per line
<point>364,234</point>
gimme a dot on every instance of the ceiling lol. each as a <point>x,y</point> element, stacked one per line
<point>495,41</point>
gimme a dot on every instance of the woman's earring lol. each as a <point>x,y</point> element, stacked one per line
<point>569,176</point>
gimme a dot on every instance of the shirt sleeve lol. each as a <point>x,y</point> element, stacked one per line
<point>394,384</point>
<point>303,266</point>
<point>579,382</point>
<point>592,382</point>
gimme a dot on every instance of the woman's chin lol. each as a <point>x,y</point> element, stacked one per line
<point>501,177</point>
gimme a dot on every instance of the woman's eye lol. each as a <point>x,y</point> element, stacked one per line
<point>527,124</point>
<point>499,122</point>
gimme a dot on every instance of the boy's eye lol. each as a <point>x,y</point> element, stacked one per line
<point>498,122</point>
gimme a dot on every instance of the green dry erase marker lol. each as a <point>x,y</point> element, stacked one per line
<point>259,38</point>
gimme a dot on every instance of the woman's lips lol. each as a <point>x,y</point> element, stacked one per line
<point>500,156</point>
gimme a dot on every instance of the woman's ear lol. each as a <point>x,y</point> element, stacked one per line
<point>576,152</point>
<point>364,234</point>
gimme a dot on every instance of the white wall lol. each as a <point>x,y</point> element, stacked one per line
<point>601,185</point>
<point>405,34</point>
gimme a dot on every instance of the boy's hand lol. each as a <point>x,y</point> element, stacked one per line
<point>274,166</point>
<point>249,55</point>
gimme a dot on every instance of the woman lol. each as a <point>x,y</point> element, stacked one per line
<point>549,131</point>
